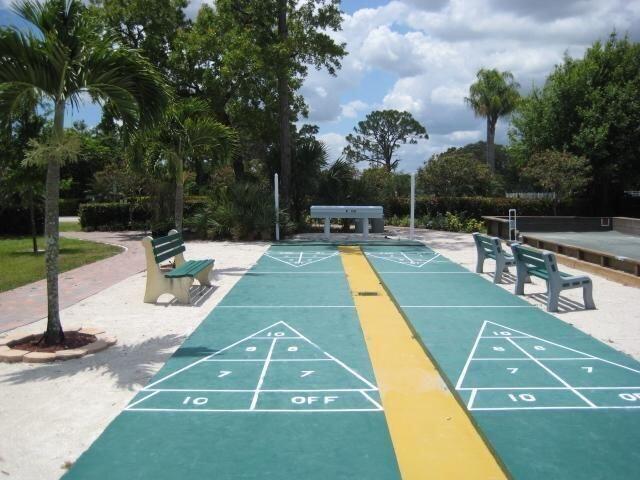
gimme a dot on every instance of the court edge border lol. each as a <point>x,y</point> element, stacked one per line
<point>418,338</point>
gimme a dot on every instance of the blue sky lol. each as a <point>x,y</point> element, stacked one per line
<point>422,55</point>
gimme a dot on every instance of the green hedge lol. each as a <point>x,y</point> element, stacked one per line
<point>69,207</point>
<point>14,220</point>
<point>134,215</point>
<point>476,207</point>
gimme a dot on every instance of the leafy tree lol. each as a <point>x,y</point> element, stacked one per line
<point>187,132</point>
<point>494,95</point>
<point>589,107</point>
<point>561,173</point>
<point>61,57</point>
<point>455,173</point>
<point>378,137</point>
<point>252,67</point>
<point>18,180</point>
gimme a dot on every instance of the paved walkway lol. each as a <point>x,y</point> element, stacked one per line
<point>27,304</point>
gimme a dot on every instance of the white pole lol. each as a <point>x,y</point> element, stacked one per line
<point>277,204</point>
<point>413,205</point>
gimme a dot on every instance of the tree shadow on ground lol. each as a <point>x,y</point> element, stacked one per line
<point>131,365</point>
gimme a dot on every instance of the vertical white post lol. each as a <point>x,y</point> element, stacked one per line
<point>413,206</point>
<point>277,205</point>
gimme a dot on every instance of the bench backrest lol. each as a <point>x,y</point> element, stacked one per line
<point>491,246</point>
<point>536,261</point>
<point>167,247</point>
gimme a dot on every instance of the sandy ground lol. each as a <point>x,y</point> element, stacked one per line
<point>49,414</point>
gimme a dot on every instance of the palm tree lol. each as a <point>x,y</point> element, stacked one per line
<point>494,95</point>
<point>62,57</point>
<point>187,132</point>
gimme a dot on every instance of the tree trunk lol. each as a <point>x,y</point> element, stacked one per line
<point>179,201</point>
<point>32,220</point>
<point>54,334</point>
<point>491,147</point>
<point>284,110</point>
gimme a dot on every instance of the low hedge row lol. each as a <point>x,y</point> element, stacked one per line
<point>476,207</point>
<point>137,214</point>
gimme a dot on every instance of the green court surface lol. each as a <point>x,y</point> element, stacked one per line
<point>616,243</point>
<point>550,400</point>
<point>276,383</point>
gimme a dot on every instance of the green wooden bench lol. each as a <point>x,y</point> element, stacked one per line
<point>491,247</point>
<point>543,264</point>
<point>177,281</point>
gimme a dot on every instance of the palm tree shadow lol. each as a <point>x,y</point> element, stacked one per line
<point>130,365</point>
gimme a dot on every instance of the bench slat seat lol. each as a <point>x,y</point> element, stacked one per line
<point>178,280</point>
<point>543,264</point>
<point>491,247</point>
<point>189,269</point>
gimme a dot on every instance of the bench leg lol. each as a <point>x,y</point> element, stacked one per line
<point>587,295</point>
<point>203,276</point>
<point>553,296</point>
<point>327,228</point>
<point>156,286</point>
<point>521,277</point>
<point>500,268</point>
<point>180,289</point>
<point>480,264</point>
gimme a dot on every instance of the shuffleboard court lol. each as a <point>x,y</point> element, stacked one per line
<point>551,401</point>
<point>275,383</point>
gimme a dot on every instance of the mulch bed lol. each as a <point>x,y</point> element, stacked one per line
<point>71,340</point>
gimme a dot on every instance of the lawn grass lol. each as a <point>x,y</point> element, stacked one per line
<point>20,266</point>
<point>70,227</point>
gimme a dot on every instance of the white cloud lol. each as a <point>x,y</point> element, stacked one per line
<point>353,109</point>
<point>335,143</point>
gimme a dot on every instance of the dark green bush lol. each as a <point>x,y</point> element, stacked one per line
<point>15,220</point>
<point>69,207</point>
<point>476,207</point>
<point>105,216</point>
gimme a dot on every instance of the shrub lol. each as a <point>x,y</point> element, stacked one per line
<point>69,206</point>
<point>105,216</point>
<point>15,220</point>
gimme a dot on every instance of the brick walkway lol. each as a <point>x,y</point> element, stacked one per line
<point>28,303</point>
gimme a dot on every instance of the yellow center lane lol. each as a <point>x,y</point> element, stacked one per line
<point>432,435</point>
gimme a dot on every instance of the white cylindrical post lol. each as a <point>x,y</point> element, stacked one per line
<point>413,206</point>
<point>277,204</point>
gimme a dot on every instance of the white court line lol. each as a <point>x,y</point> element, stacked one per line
<point>271,390</point>
<point>515,389</point>
<point>209,356</point>
<point>488,409</point>
<point>368,397</point>
<point>473,350</point>
<point>284,360</point>
<point>592,357</point>
<point>301,265</point>
<point>469,306</point>
<point>557,377</point>
<point>528,359</point>
<point>141,400</point>
<point>285,306</point>
<point>257,410</point>
<point>289,272</point>
<point>425,273</point>
<point>342,364</point>
<point>254,400</point>
<point>472,397</point>
<point>300,259</point>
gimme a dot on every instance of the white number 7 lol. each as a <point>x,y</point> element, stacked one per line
<point>512,369</point>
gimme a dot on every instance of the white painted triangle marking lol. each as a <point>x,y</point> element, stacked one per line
<point>404,258</point>
<point>300,259</point>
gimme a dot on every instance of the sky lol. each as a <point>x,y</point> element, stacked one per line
<point>422,55</point>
